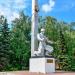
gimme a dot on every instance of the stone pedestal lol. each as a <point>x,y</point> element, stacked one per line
<point>42,64</point>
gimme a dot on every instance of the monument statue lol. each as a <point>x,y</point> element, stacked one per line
<point>43,48</point>
<point>39,46</point>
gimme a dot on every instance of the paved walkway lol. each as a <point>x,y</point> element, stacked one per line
<point>28,73</point>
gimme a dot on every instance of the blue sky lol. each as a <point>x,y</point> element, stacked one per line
<point>63,10</point>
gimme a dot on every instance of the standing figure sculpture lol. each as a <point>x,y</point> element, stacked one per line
<point>43,48</point>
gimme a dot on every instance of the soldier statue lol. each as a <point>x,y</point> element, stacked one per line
<point>43,48</point>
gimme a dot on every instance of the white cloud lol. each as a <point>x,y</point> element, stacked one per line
<point>11,8</point>
<point>49,6</point>
<point>12,16</point>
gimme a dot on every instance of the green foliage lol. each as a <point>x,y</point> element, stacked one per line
<point>20,42</point>
<point>63,36</point>
<point>65,62</point>
<point>15,43</point>
<point>4,43</point>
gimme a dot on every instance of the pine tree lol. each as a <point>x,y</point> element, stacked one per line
<point>63,50</point>
<point>4,44</point>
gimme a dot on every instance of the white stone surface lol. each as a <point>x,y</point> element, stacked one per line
<point>41,65</point>
<point>34,27</point>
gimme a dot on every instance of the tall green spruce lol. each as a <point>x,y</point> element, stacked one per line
<point>20,42</point>
<point>4,43</point>
<point>62,57</point>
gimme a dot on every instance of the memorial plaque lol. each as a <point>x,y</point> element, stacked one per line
<point>49,61</point>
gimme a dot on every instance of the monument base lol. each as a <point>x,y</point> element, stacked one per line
<point>43,65</point>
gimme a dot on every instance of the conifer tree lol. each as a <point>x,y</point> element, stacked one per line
<point>4,43</point>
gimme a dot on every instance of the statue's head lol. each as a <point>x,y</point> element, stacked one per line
<point>42,30</point>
